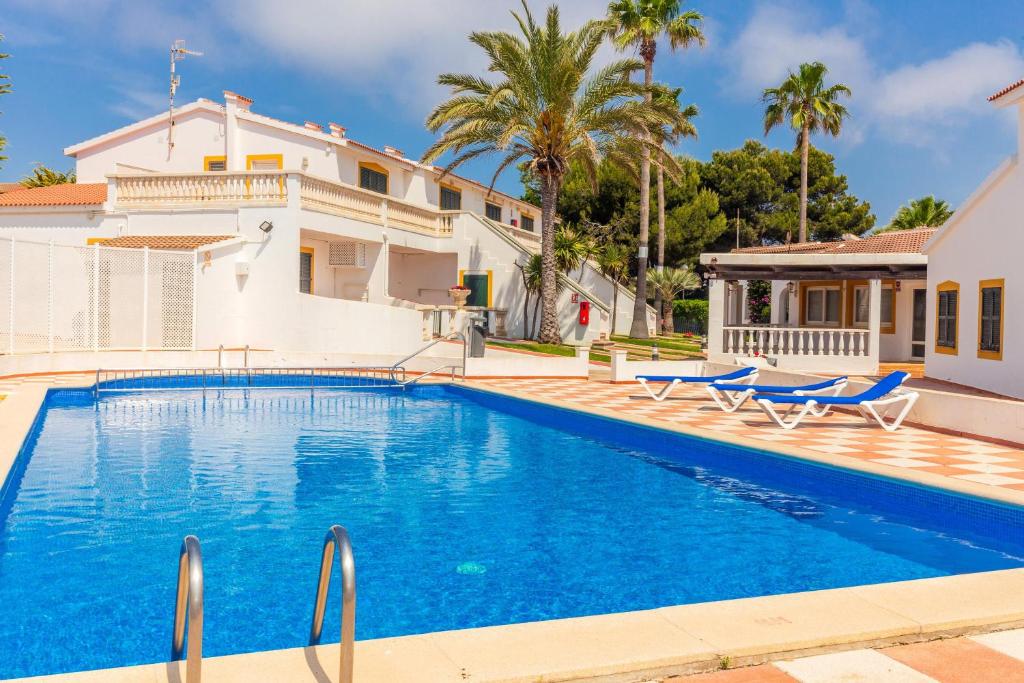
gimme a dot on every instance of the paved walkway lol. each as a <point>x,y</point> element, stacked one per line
<point>989,658</point>
<point>955,457</point>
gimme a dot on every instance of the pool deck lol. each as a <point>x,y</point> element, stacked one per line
<point>671,641</point>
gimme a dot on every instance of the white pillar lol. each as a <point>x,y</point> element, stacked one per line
<point>716,315</point>
<point>744,308</point>
<point>874,319</point>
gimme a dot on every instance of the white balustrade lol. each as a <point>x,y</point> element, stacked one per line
<point>794,341</point>
<point>193,188</point>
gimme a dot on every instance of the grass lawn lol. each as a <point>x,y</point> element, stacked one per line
<point>677,343</point>
<point>550,349</point>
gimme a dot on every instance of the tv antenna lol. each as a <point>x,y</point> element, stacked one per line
<point>178,53</point>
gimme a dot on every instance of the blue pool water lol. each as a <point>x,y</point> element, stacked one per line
<point>465,509</point>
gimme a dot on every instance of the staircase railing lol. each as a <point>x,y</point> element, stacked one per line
<point>399,367</point>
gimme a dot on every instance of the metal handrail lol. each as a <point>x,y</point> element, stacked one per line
<point>451,335</point>
<point>337,539</point>
<point>190,601</point>
<point>436,370</point>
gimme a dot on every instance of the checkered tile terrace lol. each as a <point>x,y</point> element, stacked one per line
<point>956,457</point>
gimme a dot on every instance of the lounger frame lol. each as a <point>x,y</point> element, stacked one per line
<point>670,386</point>
<point>731,400</point>
<point>887,412</point>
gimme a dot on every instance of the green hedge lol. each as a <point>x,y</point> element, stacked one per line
<point>691,309</point>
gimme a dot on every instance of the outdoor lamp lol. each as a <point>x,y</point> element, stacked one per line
<point>266,226</point>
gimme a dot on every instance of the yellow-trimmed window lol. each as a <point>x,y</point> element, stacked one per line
<point>306,272</point>
<point>451,198</point>
<point>215,163</point>
<point>527,222</point>
<point>264,162</point>
<point>991,304</point>
<point>373,177</point>
<point>493,211</point>
<point>861,308</point>
<point>947,317</point>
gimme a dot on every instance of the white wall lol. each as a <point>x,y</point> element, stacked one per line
<point>985,241</point>
<point>422,276</point>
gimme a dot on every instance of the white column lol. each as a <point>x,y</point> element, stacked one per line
<point>744,308</point>
<point>716,315</point>
<point>874,319</point>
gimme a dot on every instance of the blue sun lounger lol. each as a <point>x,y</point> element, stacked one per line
<point>730,397</point>
<point>748,374</point>
<point>872,403</point>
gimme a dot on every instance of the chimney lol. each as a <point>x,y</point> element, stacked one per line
<point>314,126</point>
<point>393,151</point>
<point>233,99</point>
<point>337,130</point>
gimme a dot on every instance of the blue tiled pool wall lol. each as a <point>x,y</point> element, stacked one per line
<point>9,485</point>
<point>898,501</point>
<point>241,380</point>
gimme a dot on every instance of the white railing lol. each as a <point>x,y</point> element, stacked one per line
<point>795,341</point>
<point>77,298</point>
<point>342,199</point>
<point>141,190</point>
<point>199,188</point>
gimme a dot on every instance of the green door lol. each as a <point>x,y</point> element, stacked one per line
<point>477,284</point>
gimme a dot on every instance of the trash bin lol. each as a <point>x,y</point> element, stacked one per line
<point>477,335</point>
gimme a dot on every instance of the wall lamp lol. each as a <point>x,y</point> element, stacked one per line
<point>266,226</point>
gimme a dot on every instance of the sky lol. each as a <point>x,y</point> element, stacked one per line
<point>920,71</point>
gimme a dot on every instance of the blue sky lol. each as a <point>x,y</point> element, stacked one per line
<point>919,69</point>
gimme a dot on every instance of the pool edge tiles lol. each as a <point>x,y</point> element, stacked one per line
<point>648,644</point>
<point>775,449</point>
<point>21,415</point>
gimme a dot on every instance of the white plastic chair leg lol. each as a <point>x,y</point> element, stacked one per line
<point>660,395</point>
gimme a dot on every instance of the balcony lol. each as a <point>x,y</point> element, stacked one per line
<point>133,192</point>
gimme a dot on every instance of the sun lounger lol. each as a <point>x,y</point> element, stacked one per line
<point>730,397</point>
<point>670,381</point>
<point>873,403</point>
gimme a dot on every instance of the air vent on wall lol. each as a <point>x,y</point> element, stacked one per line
<point>346,255</point>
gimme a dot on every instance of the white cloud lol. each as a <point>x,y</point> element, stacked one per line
<point>394,48</point>
<point>912,103</point>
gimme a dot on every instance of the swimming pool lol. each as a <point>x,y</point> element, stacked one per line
<point>465,509</point>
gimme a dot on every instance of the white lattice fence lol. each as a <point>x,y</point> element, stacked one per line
<point>68,298</point>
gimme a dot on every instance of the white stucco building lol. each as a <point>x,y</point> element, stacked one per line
<point>975,286</point>
<point>302,239</point>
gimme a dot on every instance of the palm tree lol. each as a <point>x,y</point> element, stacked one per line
<point>42,176</point>
<point>613,260</point>
<point>638,24</point>
<point>572,249</point>
<point>808,106</point>
<point>5,87</point>
<point>670,282</point>
<point>926,212</point>
<point>531,272</point>
<point>544,106</point>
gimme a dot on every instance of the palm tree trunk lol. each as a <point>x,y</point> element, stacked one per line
<point>638,329</point>
<point>805,145</point>
<point>659,297</point>
<point>549,332</point>
<point>533,328</point>
<point>615,306</point>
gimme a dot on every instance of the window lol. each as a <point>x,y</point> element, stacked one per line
<point>990,319</point>
<point>306,270</point>
<point>264,162</point>
<point>373,177</point>
<point>527,223</point>
<point>822,306</point>
<point>862,307</point>
<point>493,211</point>
<point>451,199</point>
<point>947,310</point>
<point>215,163</point>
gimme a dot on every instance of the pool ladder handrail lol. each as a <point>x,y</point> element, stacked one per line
<point>453,367</point>
<point>189,601</point>
<point>337,540</point>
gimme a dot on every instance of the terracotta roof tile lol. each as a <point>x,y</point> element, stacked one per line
<point>181,242</point>
<point>895,242</point>
<point>7,187</point>
<point>68,194</point>
<point>1006,90</point>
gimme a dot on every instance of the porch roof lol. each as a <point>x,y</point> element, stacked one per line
<point>886,255</point>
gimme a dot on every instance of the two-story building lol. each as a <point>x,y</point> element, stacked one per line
<point>302,239</point>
